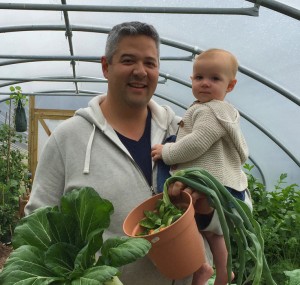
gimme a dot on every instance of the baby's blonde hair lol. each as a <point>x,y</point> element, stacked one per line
<point>210,52</point>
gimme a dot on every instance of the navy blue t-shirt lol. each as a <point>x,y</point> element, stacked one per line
<point>141,150</point>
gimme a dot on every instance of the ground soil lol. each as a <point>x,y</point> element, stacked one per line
<point>5,251</point>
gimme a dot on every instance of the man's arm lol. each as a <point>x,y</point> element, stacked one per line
<point>48,183</point>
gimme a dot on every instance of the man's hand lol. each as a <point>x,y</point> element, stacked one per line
<point>199,200</point>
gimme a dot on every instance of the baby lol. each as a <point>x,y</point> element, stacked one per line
<point>210,137</point>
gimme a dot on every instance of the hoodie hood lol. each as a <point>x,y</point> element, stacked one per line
<point>93,113</point>
<point>229,118</point>
<point>163,116</point>
<point>163,123</point>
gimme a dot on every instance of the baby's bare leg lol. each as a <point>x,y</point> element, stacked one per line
<point>220,254</point>
<point>202,275</point>
<point>217,246</point>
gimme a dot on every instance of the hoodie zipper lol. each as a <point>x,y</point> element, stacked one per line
<point>151,188</point>
<point>152,191</point>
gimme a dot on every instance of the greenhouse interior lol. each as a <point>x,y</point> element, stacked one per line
<point>50,64</point>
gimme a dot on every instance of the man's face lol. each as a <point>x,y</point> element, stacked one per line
<point>133,74</point>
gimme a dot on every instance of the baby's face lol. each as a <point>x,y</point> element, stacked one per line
<point>212,78</point>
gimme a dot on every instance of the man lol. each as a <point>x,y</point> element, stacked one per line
<point>107,145</point>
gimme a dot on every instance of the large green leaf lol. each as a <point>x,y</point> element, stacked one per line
<point>294,277</point>
<point>120,251</point>
<point>63,227</point>
<point>33,230</point>
<point>90,210</point>
<point>96,276</point>
<point>86,256</point>
<point>60,258</point>
<point>25,266</point>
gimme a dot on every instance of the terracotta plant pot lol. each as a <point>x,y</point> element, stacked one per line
<point>177,251</point>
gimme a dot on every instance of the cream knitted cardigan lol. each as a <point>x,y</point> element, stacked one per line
<point>210,137</point>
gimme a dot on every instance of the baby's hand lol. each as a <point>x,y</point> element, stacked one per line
<point>156,152</point>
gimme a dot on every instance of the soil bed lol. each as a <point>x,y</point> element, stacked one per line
<point>5,251</point>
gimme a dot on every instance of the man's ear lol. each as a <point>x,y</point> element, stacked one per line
<point>231,85</point>
<point>104,65</point>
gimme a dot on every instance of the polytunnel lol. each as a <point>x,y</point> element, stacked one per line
<point>52,50</point>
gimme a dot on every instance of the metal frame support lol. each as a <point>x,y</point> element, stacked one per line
<point>193,49</point>
<point>251,11</point>
<point>279,7</point>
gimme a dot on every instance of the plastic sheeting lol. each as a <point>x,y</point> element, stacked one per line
<point>267,47</point>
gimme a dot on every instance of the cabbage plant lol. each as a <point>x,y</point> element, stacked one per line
<point>58,245</point>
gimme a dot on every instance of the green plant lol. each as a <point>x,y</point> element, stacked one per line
<point>236,221</point>
<point>17,96</point>
<point>58,245</point>
<point>278,213</point>
<point>19,100</point>
<point>13,179</point>
<point>293,277</point>
<point>165,214</point>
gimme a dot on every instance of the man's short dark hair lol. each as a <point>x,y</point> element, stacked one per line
<point>122,30</point>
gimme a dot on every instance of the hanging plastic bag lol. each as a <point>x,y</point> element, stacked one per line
<point>20,118</point>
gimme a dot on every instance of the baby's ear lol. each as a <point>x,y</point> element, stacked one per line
<point>231,85</point>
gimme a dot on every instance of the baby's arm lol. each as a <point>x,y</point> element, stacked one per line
<point>156,152</point>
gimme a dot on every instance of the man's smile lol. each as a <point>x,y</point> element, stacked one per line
<point>137,85</point>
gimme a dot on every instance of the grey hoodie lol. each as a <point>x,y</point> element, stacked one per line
<point>85,151</point>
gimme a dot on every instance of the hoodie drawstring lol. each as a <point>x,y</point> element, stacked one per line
<point>86,169</point>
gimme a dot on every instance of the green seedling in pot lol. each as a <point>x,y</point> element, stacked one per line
<point>164,214</point>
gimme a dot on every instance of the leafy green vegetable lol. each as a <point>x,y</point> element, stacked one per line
<point>58,245</point>
<point>294,277</point>
<point>277,210</point>
<point>13,180</point>
<point>164,214</point>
